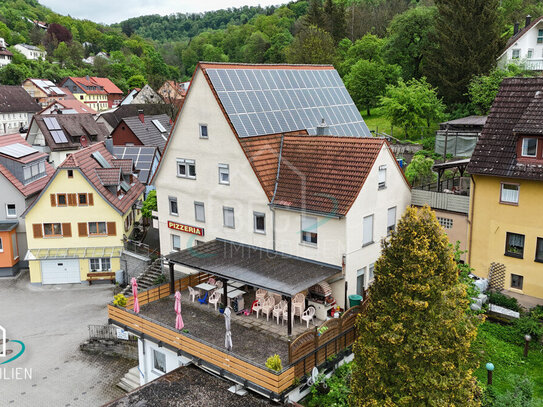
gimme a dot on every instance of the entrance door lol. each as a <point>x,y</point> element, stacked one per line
<point>62,271</point>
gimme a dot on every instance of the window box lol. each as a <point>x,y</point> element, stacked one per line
<point>514,245</point>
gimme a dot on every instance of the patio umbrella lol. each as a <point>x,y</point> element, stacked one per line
<point>135,294</point>
<point>179,324</point>
<point>228,337</point>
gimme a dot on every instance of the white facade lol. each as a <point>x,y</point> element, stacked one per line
<point>11,122</point>
<point>30,51</point>
<point>527,50</point>
<point>340,239</point>
<point>155,361</point>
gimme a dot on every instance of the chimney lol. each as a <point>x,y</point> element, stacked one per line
<point>322,129</point>
<point>141,116</point>
<point>109,144</point>
<point>528,20</point>
<point>515,31</point>
<point>87,77</point>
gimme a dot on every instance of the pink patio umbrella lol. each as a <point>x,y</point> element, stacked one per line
<point>135,294</point>
<point>179,324</point>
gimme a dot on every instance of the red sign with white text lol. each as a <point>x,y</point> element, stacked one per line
<point>186,228</point>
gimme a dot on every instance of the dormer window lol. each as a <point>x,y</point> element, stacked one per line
<point>529,147</point>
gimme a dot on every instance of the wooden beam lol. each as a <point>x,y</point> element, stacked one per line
<point>289,316</point>
<point>172,282</point>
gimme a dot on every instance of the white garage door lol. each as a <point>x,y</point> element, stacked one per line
<point>60,271</point>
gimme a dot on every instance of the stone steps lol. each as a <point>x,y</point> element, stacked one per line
<point>131,380</point>
<point>146,279</point>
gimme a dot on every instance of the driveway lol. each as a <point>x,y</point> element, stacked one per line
<point>52,322</point>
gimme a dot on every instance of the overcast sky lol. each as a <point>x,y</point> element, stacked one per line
<point>114,11</point>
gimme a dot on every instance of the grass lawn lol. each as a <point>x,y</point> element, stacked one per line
<point>378,122</point>
<point>494,344</point>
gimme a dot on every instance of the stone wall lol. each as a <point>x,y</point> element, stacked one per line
<point>134,264</point>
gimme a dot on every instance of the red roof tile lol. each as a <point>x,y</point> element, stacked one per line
<point>108,86</point>
<point>108,176</point>
<point>125,164</point>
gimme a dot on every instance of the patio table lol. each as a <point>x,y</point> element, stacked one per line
<point>236,284</point>
<point>206,287</point>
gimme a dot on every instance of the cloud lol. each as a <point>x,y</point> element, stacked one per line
<point>108,11</point>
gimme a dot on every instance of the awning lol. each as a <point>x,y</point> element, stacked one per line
<point>6,226</point>
<point>74,252</point>
<point>271,270</point>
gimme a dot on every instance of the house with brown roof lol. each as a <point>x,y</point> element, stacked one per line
<point>143,130</point>
<point>62,134</point>
<point>525,47</point>
<point>111,118</point>
<point>16,109</point>
<point>99,93</point>
<point>24,171</point>
<point>68,106</point>
<point>505,237</point>
<point>77,224</point>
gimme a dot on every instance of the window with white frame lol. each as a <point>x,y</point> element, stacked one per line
<point>159,361</point>
<point>360,281</point>
<point>367,237</point>
<point>203,131</point>
<point>176,242</point>
<point>515,54</point>
<point>259,221</point>
<point>228,217</point>
<point>530,53</point>
<point>34,171</point>
<point>172,202</point>
<point>100,264</point>
<point>309,229</point>
<point>371,273</point>
<point>11,211</point>
<point>540,36</point>
<point>382,176</point>
<point>391,220</point>
<point>186,168</point>
<point>224,174</point>
<point>529,147</point>
<point>509,193</point>
<point>199,212</point>
<point>446,223</point>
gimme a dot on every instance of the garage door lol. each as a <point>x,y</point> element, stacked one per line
<point>60,271</point>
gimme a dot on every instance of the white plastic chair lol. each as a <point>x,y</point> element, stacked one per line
<point>218,284</point>
<point>267,307</point>
<point>261,294</point>
<point>193,293</point>
<point>257,307</point>
<point>215,298</point>
<point>279,309</point>
<point>298,305</point>
<point>308,315</point>
<point>285,316</point>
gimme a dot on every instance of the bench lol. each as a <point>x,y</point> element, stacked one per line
<point>101,276</point>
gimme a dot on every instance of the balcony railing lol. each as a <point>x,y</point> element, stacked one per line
<point>440,200</point>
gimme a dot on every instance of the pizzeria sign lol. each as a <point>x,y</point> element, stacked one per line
<point>186,228</point>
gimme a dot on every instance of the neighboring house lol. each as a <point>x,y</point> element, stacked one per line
<point>143,130</point>
<point>77,224</point>
<point>24,171</point>
<point>145,160</point>
<point>62,134</point>
<point>525,47</point>
<point>173,92</point>
<point>130,97</point>
<point>44,91</point>
<point>276,178</point>
<point>16,109</point>
<point>459,136</point>
<point>68,106</point>
<point>146,95</point>
<point>92,91</point>
<point>5,55</point>
<point>506,238</point>
<point>90,59</point>
<point>113,117</point>
<point>31,51</point>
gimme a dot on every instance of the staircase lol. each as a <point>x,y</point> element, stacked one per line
<point>131,380</point>
<point>146,279</point>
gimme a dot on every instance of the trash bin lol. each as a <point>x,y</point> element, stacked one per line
<point>354,300</point>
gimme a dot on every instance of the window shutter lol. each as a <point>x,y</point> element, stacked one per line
<point>53,200</point>
<point>391,216</point>
<point>111,229</point>
<point>36,227</point>
<point>91,200</point>
<point>67,229</point>
<point>82,228</point>
<point>72,199</point>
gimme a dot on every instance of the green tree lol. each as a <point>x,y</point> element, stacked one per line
<point>312,45</point>
<point>334,18</point>
<point>467,42</point>
<point>412,105</point>
<point>62,53</point>
<point>414,341</point>
<point>255,48</point>
<point>314,15</point>
<point>13,74</point>
<point>149,205</point>
<point>136,81</point>
<point>419,171</point>
<point>366,83</point>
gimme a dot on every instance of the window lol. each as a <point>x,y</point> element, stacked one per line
<point>159,361</point>
<point>1,245</point>
<point>509,193</point>
<point>186,168</point>
<point>203,131</point>
<point>173,205</point>
<point>176,242</point>
<point>514,245</point>
<point>11,211</point>
<point>540,36</point>
<point>382,176</point>
<point>515,54</point>
<point>228,217</point>
<point>391,220</point>
<point>446,223</point>
<point>371,273</point>
<point>360,281</point>
<point>529,147</point>
<point>309,229</point>
<point>367,230</point>
<point>61,199</point>
<point>70,173</point>
<point>199,212</point>
<point>539,250</point>
<point>97,228</point>
<point>259,222</point>
<point>100,264</point>
<point>52,229</point>
<point>34,171</point>
<point>530,53</point>
<point>82,199</point>
<point>517,281</point>
<point>224,174</point>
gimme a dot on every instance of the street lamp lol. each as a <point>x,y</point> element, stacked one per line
<point>490,369</point>
<point>527,339</point>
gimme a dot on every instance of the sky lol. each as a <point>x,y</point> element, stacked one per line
<point>114,11</point>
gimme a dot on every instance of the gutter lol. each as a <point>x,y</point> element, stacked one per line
<point>272,209</point>
<point>470,219</point>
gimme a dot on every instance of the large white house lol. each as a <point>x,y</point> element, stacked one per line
<point>525,47</point>
<point>30,51</point>
<point>5,55</point>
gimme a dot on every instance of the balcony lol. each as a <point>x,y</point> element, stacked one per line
<point>440,200</point>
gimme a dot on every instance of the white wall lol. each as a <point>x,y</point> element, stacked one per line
<point>524,43</point>
<point>145,360</point>
<point>12,122</point>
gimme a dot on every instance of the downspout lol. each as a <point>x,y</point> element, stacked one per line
<point>275,188</point>
<point>470,220</point>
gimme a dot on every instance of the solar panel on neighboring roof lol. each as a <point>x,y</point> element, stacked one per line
<point>17,150</point>
<point>58,136</point>
<point>51,123</point>
<point>159,126</point>
<point>266,101</point>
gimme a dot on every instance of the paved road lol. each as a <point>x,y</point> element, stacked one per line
<point>52,322</point>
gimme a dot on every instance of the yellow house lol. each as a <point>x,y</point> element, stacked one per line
<point>89,91</point>
<point>506,232</point>
<point>76,225</point>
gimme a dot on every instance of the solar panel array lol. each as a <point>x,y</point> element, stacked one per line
<point>56,131</point>
<point>17,150</point>
<point>267,101</point>
<point>141,156</point>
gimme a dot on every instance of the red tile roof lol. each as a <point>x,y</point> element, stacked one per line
<point>108,176</point>
<point>84,161</point>
<point>108,86</point>
<point>125,164</point>
<point>323,174</point>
